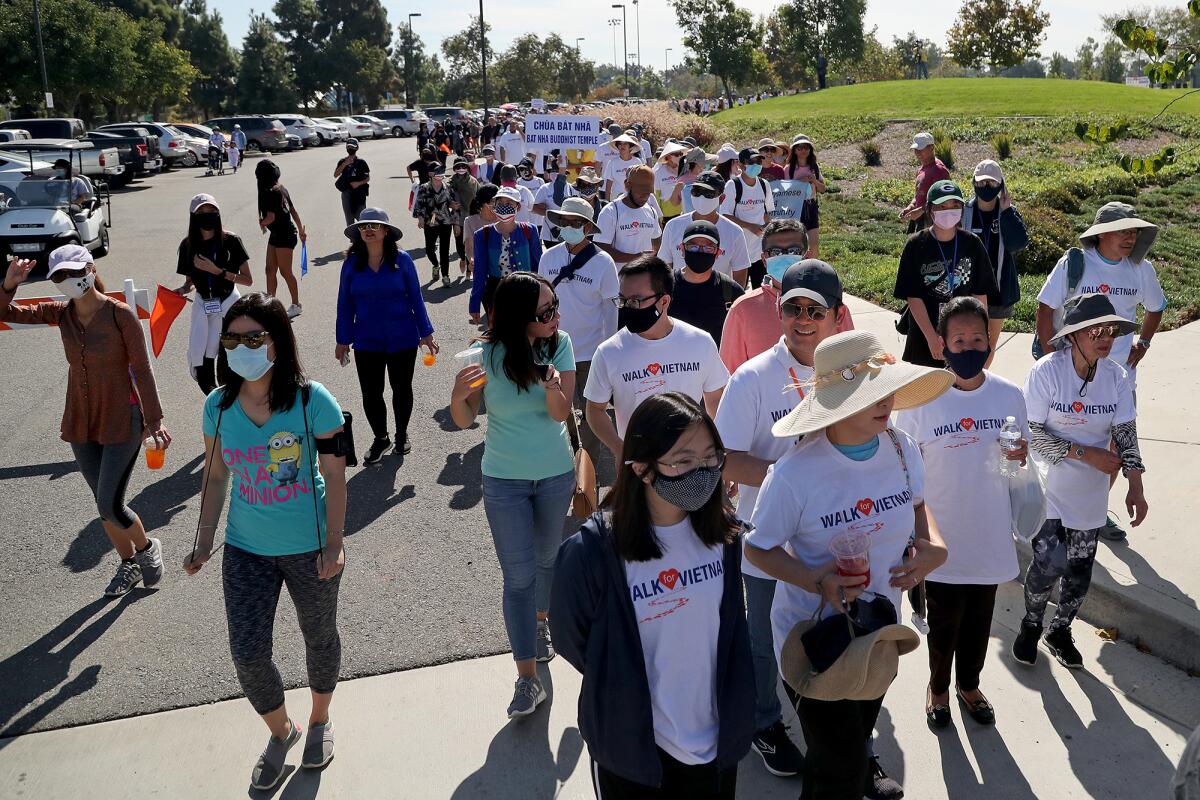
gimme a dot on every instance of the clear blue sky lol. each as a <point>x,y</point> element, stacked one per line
<point>1071,21</point>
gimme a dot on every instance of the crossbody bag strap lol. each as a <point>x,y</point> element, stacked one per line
<point>312,470</point>
<point>204,487</point>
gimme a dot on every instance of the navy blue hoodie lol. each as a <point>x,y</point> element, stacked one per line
<point>595,629</point>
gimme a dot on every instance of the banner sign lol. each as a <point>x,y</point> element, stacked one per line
<point>790,197</point>
<point>544,132</point>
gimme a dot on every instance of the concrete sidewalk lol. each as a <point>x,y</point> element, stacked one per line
<point>1147,587</point>
<point>440,732</point>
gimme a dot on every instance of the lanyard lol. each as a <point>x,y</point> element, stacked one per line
<point>796,383</point>
<point>949,267</point>
<point>986,229</point>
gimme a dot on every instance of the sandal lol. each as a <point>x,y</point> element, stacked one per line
<point>937,715</point>
<point>981,710</point>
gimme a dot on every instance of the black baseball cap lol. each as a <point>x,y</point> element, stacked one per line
<point>437,169</point>
<point>749,154</point>
<point>701,229</point>
<point>711,181</point>
<point>814,279</point>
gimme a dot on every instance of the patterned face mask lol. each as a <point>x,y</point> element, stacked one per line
<point>504,209</point>
<point>691,490</point>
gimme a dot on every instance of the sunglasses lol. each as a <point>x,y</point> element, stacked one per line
<point>572,222</point>
<point>711,249</point>
<point>252,340</point>
<point>68,274</point>
<point>1107,331</point>
<point>547,316</point>
<point>815,313</point>
<point>371,226</point>
<point>771,252</point>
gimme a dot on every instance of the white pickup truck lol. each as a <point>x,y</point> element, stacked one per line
<point>99,163</point>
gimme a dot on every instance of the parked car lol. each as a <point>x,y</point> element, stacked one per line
<point>16,167</point>
<point>139,153</point>
<point>173,151</point>
<point>329,132</point>
<point>50,128</point>
<point>400,121</point>
<point>302,127</point>
<point>262,133</point>
<point>438,114</point>
<point>343,130</point>
<point>13,135</point>
<point>100,164</point>
<point>194,129</point>
<point>359,130</point>
<point>294,142</point>
<point>379,128</point>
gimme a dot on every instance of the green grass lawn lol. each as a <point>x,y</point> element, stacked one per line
<point>989,97</point>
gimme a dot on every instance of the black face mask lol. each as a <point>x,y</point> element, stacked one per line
<point>987,192</point>
<point>699,262</point>
<point>968,363</point>
<point>638,320</point>
<point>208,220</point>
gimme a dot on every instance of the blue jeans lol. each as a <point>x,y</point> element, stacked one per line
<point>526,518</point>
<point>760,594</point>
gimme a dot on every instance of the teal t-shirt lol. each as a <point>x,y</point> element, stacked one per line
<point>523,442</point>
<point>273,467</point>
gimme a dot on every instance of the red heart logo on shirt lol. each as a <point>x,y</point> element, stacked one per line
<point>865,505</point>
<point>1104,288</point>
<point>967,423</point>
<point>669,577</point>
<point>653,369</point>
<point>1077,406</point>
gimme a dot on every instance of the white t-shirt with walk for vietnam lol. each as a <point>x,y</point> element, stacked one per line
<point>732,255</point>
<point>958,434</point>
<point>584,301</point>
<point>627,368</point>
<point>677,602</point>
<point>756,203</point>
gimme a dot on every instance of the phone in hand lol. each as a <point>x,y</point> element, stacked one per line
<point>543,371</point>
<point>345,359</point>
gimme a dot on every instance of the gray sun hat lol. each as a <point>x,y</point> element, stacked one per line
<point>376,215</point>
<point>1084,311</point>
<point>1113,217</point>
<point>574,208</point>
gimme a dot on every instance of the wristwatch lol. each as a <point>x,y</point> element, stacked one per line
<point>1078,451</point>
<point>1143,343</point>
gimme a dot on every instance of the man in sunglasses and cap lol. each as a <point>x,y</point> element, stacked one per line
<point>351,178</point>
<point>702,294</point>
<point>706,194</point>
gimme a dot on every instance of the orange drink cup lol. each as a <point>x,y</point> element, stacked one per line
<point>472,356</point>
<point>155,454</point>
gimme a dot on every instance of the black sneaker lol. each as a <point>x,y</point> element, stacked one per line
<point>1061,645</point>
<point>407,446</point>
<point>879,785</point>
<point>129,575</point>
<point>1112,531</point>
<point>779,755</point>
<point>1025,646</point>
<point>379,448</point>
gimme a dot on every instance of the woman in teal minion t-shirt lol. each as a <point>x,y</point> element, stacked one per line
<point>528,379</point>
<point>286,513</point>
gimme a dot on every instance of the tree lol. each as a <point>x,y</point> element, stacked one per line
<point>170,13</point>
<point>296,22</point>
<point>265,80</point>
<point>1085,60</point>
<point>778,46</point>
<point>415,65</point>
<point>355,39</point>
<point>1112,64</point>
<point>876,63</point>
<point>162,75</point>
<point>722,38</point>
<point>801,30</point>
<point>461,52</point>
<point>997,33</point>
<point>203,39</point>
<point>1058,65</point>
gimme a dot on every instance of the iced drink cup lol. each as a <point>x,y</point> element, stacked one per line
<point>469,357</point>
<point>852,549</point>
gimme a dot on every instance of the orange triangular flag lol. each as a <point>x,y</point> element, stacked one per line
<point>167,305</point>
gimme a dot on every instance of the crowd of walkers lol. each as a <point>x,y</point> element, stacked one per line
<point>781,479</point>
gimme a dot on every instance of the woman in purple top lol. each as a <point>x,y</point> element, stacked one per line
<point>381,314</point>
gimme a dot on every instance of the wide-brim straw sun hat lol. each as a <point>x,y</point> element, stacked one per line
<point>673,147</point>
<point>573,208</point>
<point>373,215</point>
<point>1115,216</point>
<point>864,671</point>
<point>1087,310</point>
<point>852,372</point>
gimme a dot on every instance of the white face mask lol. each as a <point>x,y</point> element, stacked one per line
<point>947,217</point>
<point>76,288</point>
<point>705,205</point>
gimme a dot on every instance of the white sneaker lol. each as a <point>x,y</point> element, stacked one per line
<point>294,310</point>
<point>445,282</point>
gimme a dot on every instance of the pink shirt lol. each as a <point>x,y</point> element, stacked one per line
<point>752,326</point>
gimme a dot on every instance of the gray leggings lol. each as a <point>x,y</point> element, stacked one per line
<point>252,585</point>
<point>106,468</point>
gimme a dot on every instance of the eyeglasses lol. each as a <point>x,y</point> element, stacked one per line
<point>815,313</point>
<point>689,463</point>
<point>1107,331</point>
<point>573,222</point>
<point>634,302</point>
<point>771,252</point>
<point>711,249</point>
<point>547,316</point>
<point>68,274</point>
<point>252,340</point>
<point>371,226</point>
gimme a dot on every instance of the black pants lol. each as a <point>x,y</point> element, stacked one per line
<point>206,375</point>
<point>757,271</point>
<point>960,622</point>
<point>438,236</point>
<point>399,367</point>
<point>835,766</point>
<point>692,781</point>
<point>460,245</point>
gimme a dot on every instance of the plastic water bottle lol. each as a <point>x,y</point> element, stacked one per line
<point>1010,435</point>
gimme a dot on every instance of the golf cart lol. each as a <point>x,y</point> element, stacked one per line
<point>42,212</point>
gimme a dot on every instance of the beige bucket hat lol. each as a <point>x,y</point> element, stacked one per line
<point>1113,217</point>
<point>864,671</point>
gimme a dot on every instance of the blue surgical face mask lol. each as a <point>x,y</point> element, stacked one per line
<point>250,364</point>
<point>777,265</point>
<point>752,170</point>
<point>571,236</point>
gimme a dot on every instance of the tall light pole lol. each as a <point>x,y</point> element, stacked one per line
<point>624,42</point>
<point>637,23</point>
<point>666,61</point>
<point>407,65</point>
<point>37,25</point>
<point>483,59</point>
<point>613,23</point>
<point>578,39</point>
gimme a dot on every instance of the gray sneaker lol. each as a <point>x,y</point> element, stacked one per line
<point>318,746</point>
<point>545,647</point>
<point>269,768</point>
<point>129,575</point>
<point>527,696</point>
<point>1111,531</point>
<point>150,560</point>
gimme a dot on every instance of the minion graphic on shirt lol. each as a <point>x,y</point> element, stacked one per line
<point>284,452</point>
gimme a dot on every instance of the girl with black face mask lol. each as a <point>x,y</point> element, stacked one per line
<point>991,216</point>
<point>213,261</point>
<point>647,605</point>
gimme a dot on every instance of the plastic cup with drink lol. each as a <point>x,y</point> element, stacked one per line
<point>472,356</point>
<point>155,453</point>
<point>851,549</point>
